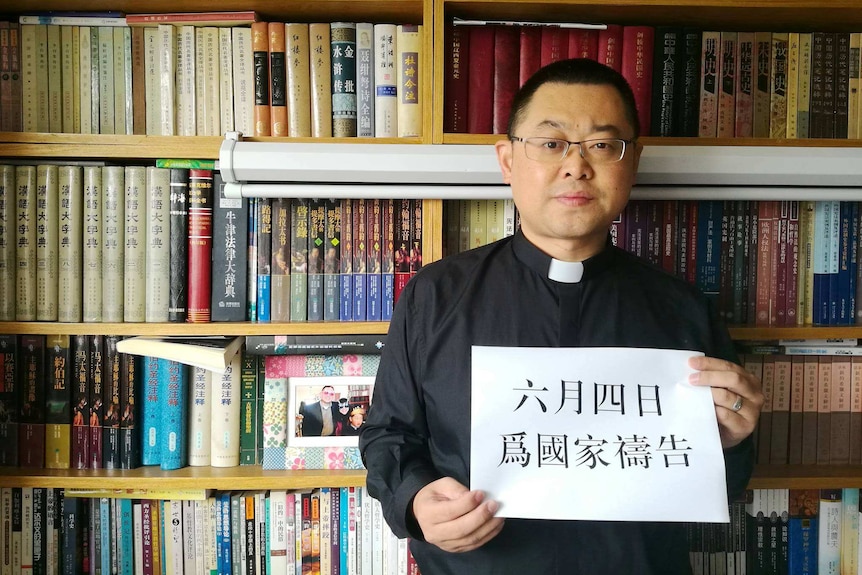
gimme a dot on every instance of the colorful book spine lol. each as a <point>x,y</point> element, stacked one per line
<point>58,399</point>
<point>263,233</point>
<point>150,415</point>
<point>131,382</point>
<point>230,243</point>
<point>31,433</point>
<point>260,55</point>
<point>316,248</point>
<point>9,379</point>
<point>374,293</point>
<point>409,80</point>
<point>299,234</point>
<point>298,80</point>
<point>277,73</point>
<point>178,238</point>
<point>280,283</point>
<point>332,259</point>
<point>345,276</point>
<point>173,408</point>
<point>111,446</point>
<point>360,239</point>
<point>200,244</point>
<point>385,87</point>
<point>96,390</point>
<point>343,49</point>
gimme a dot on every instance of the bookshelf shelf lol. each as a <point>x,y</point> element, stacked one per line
<point>656,141</point>
<point>804,332</point>
<point>806,477</point>
<point>192,329</point>
<point>219,478</point>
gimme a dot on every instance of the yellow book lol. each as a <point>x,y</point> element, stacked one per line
<point>151,81</point>
<point>792,84</point>
<point>70,277</point>
<point>55,80</point>
<point>298,80</point>
<point>225,86</point>
<point>853,101</point>
<point>107,120</point>
<point>75,86</point>
<point>122,61</point>
<point>186,77</point>
<point>778,87</point>
<point>321,80</point>
<point>67,70</point>
<point>478,223</point>
<point>408,79</point>
<point>28,77</point>
<point>7,243</point>
<point>212,79</point>
<point>199,81</point>
<point>92,249</point>
<point>803,86</point>
<point>243,81</point>
<point>25,253</point>
<point>47,241</point>
<point>85,121</point>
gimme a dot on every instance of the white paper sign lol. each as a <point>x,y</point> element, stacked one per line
<point>595,433</point>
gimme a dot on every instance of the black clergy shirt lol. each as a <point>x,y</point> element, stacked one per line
<point>418,429</point>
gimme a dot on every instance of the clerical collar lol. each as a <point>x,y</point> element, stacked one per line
<point>565,272</point>
<point>560,271</point>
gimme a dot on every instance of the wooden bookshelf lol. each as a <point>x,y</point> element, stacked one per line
<point>192,329</point>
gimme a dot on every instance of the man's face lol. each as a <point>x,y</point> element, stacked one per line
<point>567,206</point>
<point>327,395</point>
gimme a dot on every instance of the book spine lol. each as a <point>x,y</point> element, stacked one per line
<point>260,59</point>
<point>47,240</point>
<point>200,245</point>
<point>457,45</point>
<point>299,233</point>
<point>506,50</point>
<point>230,243</point>
<point>178,245</point>
<point>280,283</point>
<point>263,232</point>
<point>186,81</point>
<point>243,81</point>
<point>131,383</point>
<point>158,245</point>
<point>346,267</point>
<point>173,406</point>
<point>211,82</point>
<point>225,85</point>
<point>480,91</point>
<point>762,97</point>
<point>58,399</point>
<point>71,245</point>
<point>277,76</point>
<point>135,253</point>
<point>374,293</point>
<point>841,115</point>
<point>636,68</point>
<point>8,234</point>
<point>225,417</point>
<point>778,86</point>
<point>31,433</point>
<point>709,85</point>
<point>25,253</point>
<point>611,46</point>
<point>113,243</point>
<point>95,386</point>
<point>402,245</point>
<point>743,113</point>
<point>320,75</point>
<point>298,80</point>
<point>111,446</point>
<point>139,89</point>
<point>248,393</point>
<point>666,80</point>
<point>726,124</point>
<point>360,239</point>
<point>343,61</point>
<point>387,258</point>
<point>80,448</point>
<point>92,244</point>
<point>150,416</point>
<point>791,91</point>
<point>122,81</point>
<point>803,100</point>
<point>365,80</point>
<point>316,241</point>
<point>555,44</point>
<point>9,379</point>
<point>385,87</point>
<point>332,259</point>
<point>167,57</point>
<point>690,89</point>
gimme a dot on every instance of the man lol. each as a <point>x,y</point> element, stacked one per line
<point>320,418</point>
<point>571,159</point>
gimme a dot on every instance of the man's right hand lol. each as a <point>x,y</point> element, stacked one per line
<point>454,518</point>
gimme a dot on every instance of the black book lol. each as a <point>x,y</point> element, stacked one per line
<point>689,110</point>
<point>179,237</point>
<point>131,378</point>
<point>8,401</point>
<point>111,447</point>
<point>667,81</point>
<point>229,255</point>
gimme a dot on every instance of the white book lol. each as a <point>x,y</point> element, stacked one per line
<point>352,511</point>
<point>829,526</point>
<point>55,80</point>
<point>25,247</point>
<point>509,217</point>
<point>67,69</point>
<point>186,73</point>
<point>151,81</point>
<point>93,196</point>
<point>200,80</point>
<point>366,532</point>
<point>190,534</point>
<point>70,276</point>
<point>26,530</point>
<point>326,558</point>
<point>135,254</point>
<point>385,81</point>
<point>225,416</point>
<point>84,92</point>
<point>138,536</point>
<point>158,249</point>
<point>365,95</point>
<point>243,81</point>
<point>837,341</point>
<point>174,558</point>
<point>75,85</point>
<point>106,80</point>
<point>278,542</point>
<point>52,533</point>
<point>95,82</point>
<point>822,350</point>
<point>260,530</point>
<point>210,526</point>
<point>167,79</point>
<point>200,516</point>
<point>378,526</point>
<point>225,67</point>
<point>212,79</point>
<point>113,242</point>
<point>7,243</point>
<point>409,80</point>
<point>47,241</point>
<point>122,80</point>
<point>850,530</point>
<point>200,417</point>
<point>71,20</point>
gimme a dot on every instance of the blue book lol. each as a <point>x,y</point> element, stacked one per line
<point>373,246</point>
<point>854,261</point>
<point>834,258</point>
<point>226,566</point>
<point>173,406</point>
<point>105,532</point>
<point>344,529</point>
<point>126,537</point>
<point>820,311</point>
<point>345,277</point>
<point>842,314</point>
<point>218,536</point>
<point>150,415</point>
<point>263,231</point>
<point>72,535</point>
<point>360,238</point>
<point>802,531</point>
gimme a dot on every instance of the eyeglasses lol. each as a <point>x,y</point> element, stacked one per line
<point>598,151</point>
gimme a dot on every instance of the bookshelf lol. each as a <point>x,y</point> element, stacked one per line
<point>776,15</point>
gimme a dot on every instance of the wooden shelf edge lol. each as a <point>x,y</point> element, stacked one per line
<point>449,138</point>
<point>221,479</point>
<point>191,329</point>
<point>806,477</point>
<point>740,333</point>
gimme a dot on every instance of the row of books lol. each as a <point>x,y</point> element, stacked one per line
<point>280,532</point>
<point>473,223</point>
<point>156,244</point>
<point>686,82</point>
<point>813,405</point>
<point>774,531</point>
<point>187,78</point>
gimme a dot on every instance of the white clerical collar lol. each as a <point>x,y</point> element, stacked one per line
<point>565,272</point>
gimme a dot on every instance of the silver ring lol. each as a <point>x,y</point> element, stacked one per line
<point>737,405</point>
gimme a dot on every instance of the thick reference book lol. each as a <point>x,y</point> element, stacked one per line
<point>213,353</point>
<point>315,344</point>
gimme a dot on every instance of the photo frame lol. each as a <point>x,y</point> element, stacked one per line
<point>304,421</point>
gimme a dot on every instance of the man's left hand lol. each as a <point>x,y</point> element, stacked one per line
<point>736,393</point>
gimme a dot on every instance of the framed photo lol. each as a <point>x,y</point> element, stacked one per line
<point>327,411</point>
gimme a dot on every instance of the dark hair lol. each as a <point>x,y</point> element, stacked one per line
<point>574,71</point>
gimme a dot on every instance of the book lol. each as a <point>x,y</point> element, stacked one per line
<point>159,243</point>
<point>277,77</point>
<point>365,93</point>
<point>200,245</point>
<point>47,241</point>
<point>506,74</point>
<point>243,80</point>
<point>92,244</point>
<point>31,432</point>
<point>263,240</point>
<point>342,37</point>
<point>214,18</point>
<point>9,394</point>
<point>111,445</point>
<point>135,254</point>
<point>385,82</point>
<point>224,434</point>
<point>480,91</point>
<point>131,383</point>
<point>280,266</point>
<point>230,242</point>
<point>71,239</point>
<point>260,55</point>
<point>636,68</point>
<point>213,353</point>
<point>58,403</point>
<point>25,252</point>
<point>316,248</point>
<point>455,83</point>
<point>178,245</point>
<point>320,75</point>
<point>408,77</point>
<point>249,427</point>
<point>315,344</point>
<point>113,243</point>
<point>7,243</point>
<point>173,408</point>
<point>95,400</point>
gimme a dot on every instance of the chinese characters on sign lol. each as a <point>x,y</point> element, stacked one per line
<point>621,423</point>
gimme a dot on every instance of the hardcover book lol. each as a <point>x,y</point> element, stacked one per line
<point>7,242</point>
<point>70,262</point>
<point>385,87</point>
<point>320,65</point>
<point>298,80</point>
<point>9,379</point>
<point>47,241</point>
<point>200,245</point>
<point>343,61</point>
<point>92,244</point>
<point>230,244</point>
<point>213,353</point>
<point>111,446</point>
<point>58,403</point>
<point>260,56</point>
<point>96,409</point>
<point>158,242</point>
<point>457,45</point>
<point>173,405</point>
<point>135,256</point>
<point>178,242</point>
<point>31,432</point>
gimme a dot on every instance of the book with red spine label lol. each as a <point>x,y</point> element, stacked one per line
<point>200,245</point>
<point>636,68</point>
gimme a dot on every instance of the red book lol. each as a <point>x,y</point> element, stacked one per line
<point>792,297</point>
<point>480,94</point>
<point>80,454</point>
<point>260,56</point>
<point>779,289</point>
<point>31,431</point>
<point>531,52</point>
<point>583,43</point>
<point>416,237</point>
<point>555,44</point>
<point>200,244</point>
<point>506,69</point>
<point>637,60</point>
<point>691,247</point>
<point>611,46</point>
<point>764,302</point>
<point>457,80</point>
<point>402,246</point>
<point>95,411</point>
